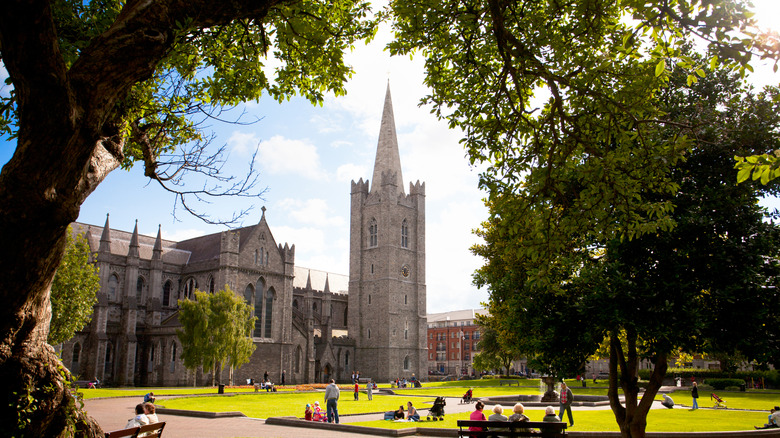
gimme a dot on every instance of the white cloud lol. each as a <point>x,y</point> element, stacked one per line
<point>279,155</point>
<point>450,264</point>
<point>243,143</point>
<point>311,212</point>
<point>306,238</point>
<point>351,172</point>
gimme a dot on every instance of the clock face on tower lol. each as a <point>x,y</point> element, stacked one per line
<point>405,271</point>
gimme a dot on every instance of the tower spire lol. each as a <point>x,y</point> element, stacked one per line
<point>387,165</point>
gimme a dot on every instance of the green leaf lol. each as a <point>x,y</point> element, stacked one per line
<point>660,68</point>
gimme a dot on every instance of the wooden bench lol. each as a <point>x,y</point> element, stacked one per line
<point>153,430</point>
<point>508,382</point>
<point>511,429</point>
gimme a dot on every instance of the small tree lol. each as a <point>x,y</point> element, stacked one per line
<point>73,291</point>
<point>215,330</point>
<point>494,350</point>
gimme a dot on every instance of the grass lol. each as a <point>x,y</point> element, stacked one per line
<point>264,405</point>
<point>128,392</point>
<point>291,403</point>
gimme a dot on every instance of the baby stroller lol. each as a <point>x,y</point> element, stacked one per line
<point>719,402</point>
<point>467,397</point>
<point>437,410</point>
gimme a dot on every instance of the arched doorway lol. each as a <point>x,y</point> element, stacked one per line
<point>327,373</point>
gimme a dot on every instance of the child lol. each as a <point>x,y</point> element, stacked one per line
<point>309,412</point>
<point>356,391</point>
<point>318,414</point>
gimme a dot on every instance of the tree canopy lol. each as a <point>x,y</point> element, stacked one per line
<point>215,330</point>
<point>663,291</point>
<point>99,85</point>
<point>558,99</point>
<point>73,291</point>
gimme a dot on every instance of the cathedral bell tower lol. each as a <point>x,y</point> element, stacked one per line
<point>387,299</point>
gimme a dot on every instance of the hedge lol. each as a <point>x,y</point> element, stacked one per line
<point>771,377</point>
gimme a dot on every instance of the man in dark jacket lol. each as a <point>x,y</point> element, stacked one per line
<point>566,398</point>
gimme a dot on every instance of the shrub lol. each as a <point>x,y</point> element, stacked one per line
<point>723,383</point>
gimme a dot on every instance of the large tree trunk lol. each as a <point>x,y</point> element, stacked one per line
<point>68,141</point>
<point>631,418</point>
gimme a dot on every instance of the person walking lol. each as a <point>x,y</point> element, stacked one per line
<point>332,401</point>
<point>357,390</point>
<point>370,389</point>
<point>282,377</point>
<point>695,395</point>
<point>566,398</point>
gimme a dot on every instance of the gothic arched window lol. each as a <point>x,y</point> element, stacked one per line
<point>167,293</point>
<point>74,362</point>
<point>108,363</point>
<point>259,294</point>
<point>189,288</point>
<point>211,285</point>
<point>406,363</point>
<point>139,290</point>
<point>173,357</point>
<point>404,234</point>
<point>373,231</point>
<point>113,285</point>
<point>269,311</point>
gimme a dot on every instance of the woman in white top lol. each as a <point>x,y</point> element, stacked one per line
<point>140,418</point>
<point>149,410</point>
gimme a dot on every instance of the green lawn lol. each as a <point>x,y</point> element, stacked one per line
<point>121,392</point>
<point>291,403</point>
<point>264,405</point>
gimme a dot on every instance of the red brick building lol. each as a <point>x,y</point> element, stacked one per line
<point>452,342</point>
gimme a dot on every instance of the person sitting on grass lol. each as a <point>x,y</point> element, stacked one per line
<point>411,413</point>
<point>668,402</point>
<point>773,420</point>
<point>399,414</point>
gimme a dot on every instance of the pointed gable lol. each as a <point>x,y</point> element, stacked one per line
<point>387,165</point>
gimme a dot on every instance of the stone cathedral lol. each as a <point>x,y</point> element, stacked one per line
<point>311,324</point>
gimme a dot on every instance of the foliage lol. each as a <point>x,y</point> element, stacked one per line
<point>494,351</point>
<point>723,383</point>
<point>215,329</point>
<point>96,85</point>
<point>73,291</point>
<point>716,264</point>
<point>562,117</point>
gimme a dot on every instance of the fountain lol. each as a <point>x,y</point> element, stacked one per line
<point>549,394</point>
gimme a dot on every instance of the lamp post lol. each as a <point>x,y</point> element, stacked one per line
<point>460,350</point>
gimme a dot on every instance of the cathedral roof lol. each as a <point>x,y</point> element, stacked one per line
<point>387,165</point>
<point>337,283</point>
<point>120,244</point>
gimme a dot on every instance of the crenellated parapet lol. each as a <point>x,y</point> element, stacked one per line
<point>360,187</point>
<point>287,252</point>
<point>417,188</point>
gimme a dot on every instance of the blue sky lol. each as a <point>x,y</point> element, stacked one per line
<point>307,156</point>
